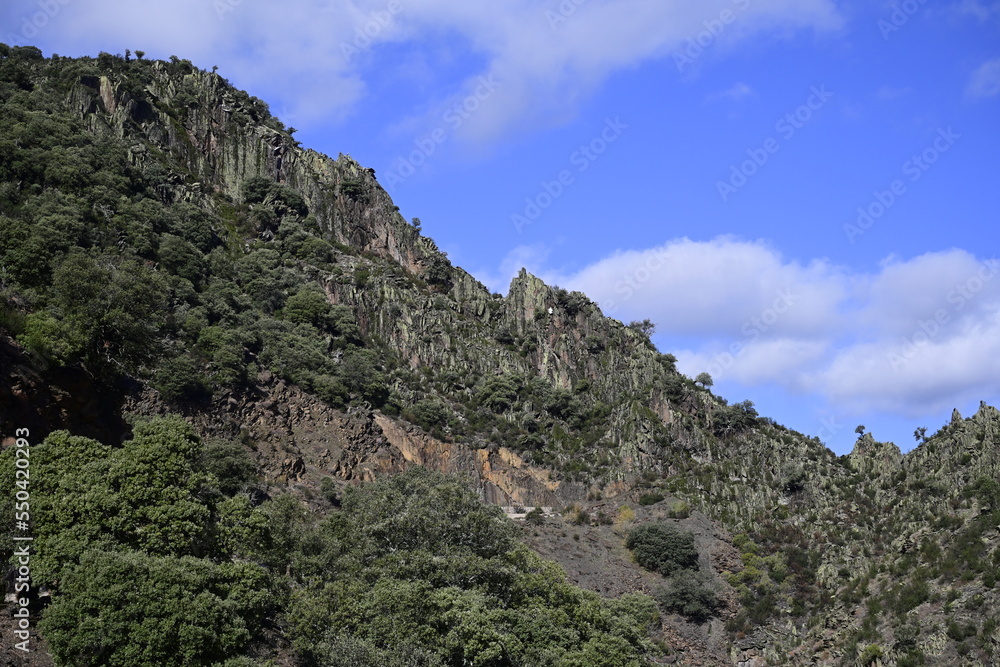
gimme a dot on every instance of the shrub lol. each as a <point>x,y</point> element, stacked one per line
<point>430,413</point>
<point>650,498</point>
<point>230,463</point>
<point>871,653</point>
<point>308,306</point>
<point>129,608</point>
<point>911,596</point>
<point>662,548</point>
<point>499,394</point>
<point>914,658</point>
<point>179,378</point>
<point>959,631</point>
<point>690,595</point>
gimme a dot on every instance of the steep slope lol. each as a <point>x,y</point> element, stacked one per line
<point>292,308</point>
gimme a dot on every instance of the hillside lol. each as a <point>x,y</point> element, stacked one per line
<point>167,248</point>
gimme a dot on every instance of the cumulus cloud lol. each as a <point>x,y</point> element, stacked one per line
<point>721,287</point>
<point>910,337</point>
<point>928,370</point>
<point>547,56</point>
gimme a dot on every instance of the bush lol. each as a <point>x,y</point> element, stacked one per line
<point>230,463</point>
<point>871,653</point>
<point>689,594</point>
<point>662,548</point>
<point>499,394</point>
<point>130,608</point>
<point>308,306</point>
<point>959,631</point>
<point>430,413</point>
<point>179,378</point>
<point>911,596</point>
<point>535,517</point>
<point>650,498</point>
<point>347,651</point>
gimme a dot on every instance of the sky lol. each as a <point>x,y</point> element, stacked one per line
<point>800,194</point>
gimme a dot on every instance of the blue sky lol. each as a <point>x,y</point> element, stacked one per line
<point>801,194</point>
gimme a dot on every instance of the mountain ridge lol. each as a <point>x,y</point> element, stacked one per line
<point>407,360</point>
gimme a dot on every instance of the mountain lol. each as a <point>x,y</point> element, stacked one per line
<point>243,371</point>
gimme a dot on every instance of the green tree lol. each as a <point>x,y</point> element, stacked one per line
<point>662,548</point>
<point>178,378</point>
<point>689,594</point>
<point>309,306</point>
<point>230,464</point>
<point>645,328</point>
<point>115,306</point>
<point>127,609</point>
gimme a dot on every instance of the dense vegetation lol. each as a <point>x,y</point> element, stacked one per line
<point>117,275</point>
<point>159,557</point>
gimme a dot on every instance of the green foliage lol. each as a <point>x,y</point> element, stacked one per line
<point>178,378</point>
<point>870,654</point>
<point>689,594</point>
<point>126,609</point>
<point>645,328</point>
<point>133,542</point>
<point>438,578</point>
<point>353,189</point>
<point>349,651</point>
<point>230,464</point>
<point>662,548</point>
<point>51,340</point>
<point>958,631</point>
<point>309,306</point>
<point>563,404</point>
<point>910,596</point>
<point>438,271</point>
<point>734,419</point>
<point>109,312</point>
<point>11,318</point>
<point>679,510</point>
<point>571,302</point>
<point>650,498</point>
<point>499,393</point>
<point>145,496</point>
<point>425,510</point>
<point>280,198</point>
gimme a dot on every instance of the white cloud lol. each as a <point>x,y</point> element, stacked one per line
<point>985,81</point>
<point>917,373</point>
<point>904,292</point>
<point>910,338</point>
<point>302,49</point>
<point>719,287</point>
